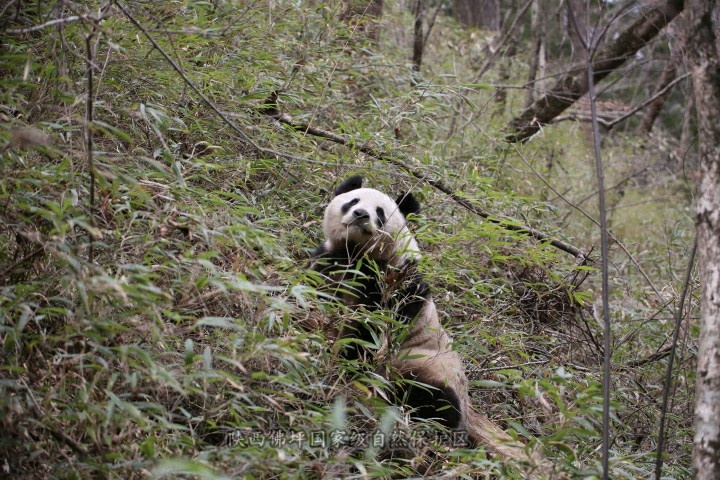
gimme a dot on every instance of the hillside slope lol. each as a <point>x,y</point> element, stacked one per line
<point>156,310</point>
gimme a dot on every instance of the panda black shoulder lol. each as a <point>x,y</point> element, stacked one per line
<point>408,204</point>
<point>319,251</point>
<point>350,184</point>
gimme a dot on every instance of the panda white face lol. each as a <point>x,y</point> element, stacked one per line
<point>361,215</point>
<point>369,219</point>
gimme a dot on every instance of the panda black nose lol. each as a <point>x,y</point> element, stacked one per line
<point>361,213</point>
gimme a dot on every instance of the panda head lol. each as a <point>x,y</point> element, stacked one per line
<point>366,221</point>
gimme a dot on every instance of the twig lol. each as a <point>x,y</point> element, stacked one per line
<point>654,357</point>
<point>668,372</point>
<point>514,365</point>
<point>654,97</point>
<point>89,127</point>
<point>506,223</point>
<point>588,330</point>
<point>579,117</point>
<point>72,18</point>
<point>659,94</point>
<point>618,184</point>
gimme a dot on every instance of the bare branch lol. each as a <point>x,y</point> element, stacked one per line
<point>611,123</point>
<point>89,134</point>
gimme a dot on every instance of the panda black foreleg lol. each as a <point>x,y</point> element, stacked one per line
<point>411,294</point>
<point>359,333</point>
<point>440,403</point>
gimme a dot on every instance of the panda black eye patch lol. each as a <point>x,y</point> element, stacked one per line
<point>347,206</point>
<point>381,218</point>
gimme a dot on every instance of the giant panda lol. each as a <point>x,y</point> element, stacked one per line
<point>369,259</point>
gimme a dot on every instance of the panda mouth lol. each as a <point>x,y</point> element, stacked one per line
<point>362,225</point>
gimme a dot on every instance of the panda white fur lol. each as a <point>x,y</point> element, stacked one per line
<point>370,256</point>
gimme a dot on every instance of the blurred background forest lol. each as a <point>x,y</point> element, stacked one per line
<point>165,166</point>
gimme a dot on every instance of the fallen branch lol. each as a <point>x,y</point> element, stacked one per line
<point>506,223</point>
<point>573,85</point>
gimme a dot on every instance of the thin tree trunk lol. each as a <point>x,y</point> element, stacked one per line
<point>500,96</point>
<point>574,84</point>
<point>686,131</point>
<point>577,27</point>
<point>419,36</point>
<point>652,111</point>
<point>537,54</point>
<point>478,13</point>
<point>704,63</point>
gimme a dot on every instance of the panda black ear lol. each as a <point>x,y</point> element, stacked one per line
<point>352,183</point>
<point>408,204</point>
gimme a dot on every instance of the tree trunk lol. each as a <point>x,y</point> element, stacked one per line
<point>478,13</point>
<point>418,35</point>
<point>365,14</point>
<point>704,62</point>
<point>684,148</point>
<point>574,84</point>
<point>653,109</point>
<point>577,28</point>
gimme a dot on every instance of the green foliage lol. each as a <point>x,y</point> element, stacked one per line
<point>170,327</point>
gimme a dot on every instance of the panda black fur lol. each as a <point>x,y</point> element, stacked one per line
<point>370,256</point>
